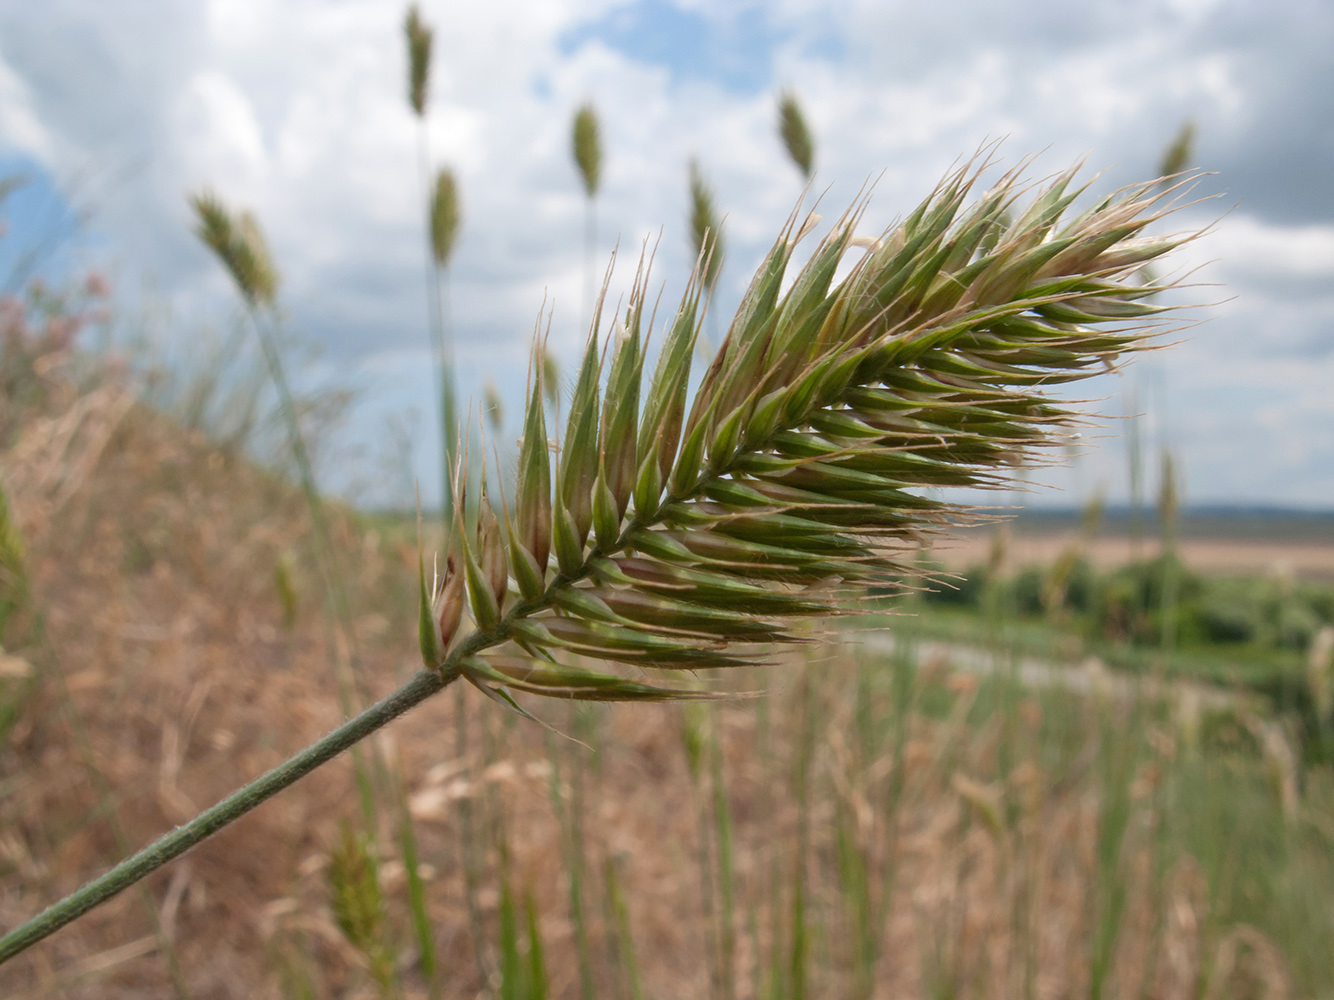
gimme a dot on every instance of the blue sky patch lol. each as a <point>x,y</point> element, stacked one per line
<point>38,226</point>
<point>734,50</point>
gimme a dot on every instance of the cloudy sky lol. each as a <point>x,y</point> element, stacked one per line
<point>118,108</point>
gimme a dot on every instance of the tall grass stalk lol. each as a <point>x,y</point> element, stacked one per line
<point>1135,476</point>
<point>468,837</point>
<point>695,739</point>
<point>787,487</point>
<point>440,201</point>
<point>722,815</point>
<point>713,817</point>
<point>240,246</point>
<point>622,938</point>
<point>1169,504</point>
<point>421,920</point>
<point>1116,768</point>
<point>572,849</point>
<point>798,976</point>
<point>706,236</point>
<point>586,145</point>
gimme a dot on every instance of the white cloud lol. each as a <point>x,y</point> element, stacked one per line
<point>20,127</point>
<point>298,111</point>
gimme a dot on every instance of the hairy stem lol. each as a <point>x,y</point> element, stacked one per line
<point>422,685</point>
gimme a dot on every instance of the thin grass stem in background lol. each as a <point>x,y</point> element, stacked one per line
<point>586,145</point>
<point>621,936</point>
<point>722,815</point>
<point>421,921</point>
<point>468,838</point>
<point>695,741</point>
<point>441,202</point>
<point>574,868</point>
<point>240,246</point>
<point>1169,510</point>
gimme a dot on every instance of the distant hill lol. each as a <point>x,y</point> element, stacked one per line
<point>1238,522</point>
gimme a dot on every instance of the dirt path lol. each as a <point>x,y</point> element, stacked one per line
<point>1089,677</point>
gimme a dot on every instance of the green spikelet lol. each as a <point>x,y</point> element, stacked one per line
<point>588,149</point>
<point>445,216</point>
<point>829,413</point>
<point>358,905</point>
<point>796,136</point>
<point>419,37</point>
<point>13,576</point>
<point>706,233</point>
<point>1178,154</point>
<point>240,245</point>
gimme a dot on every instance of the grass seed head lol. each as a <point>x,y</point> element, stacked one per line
<point>796,480</point>
<point>358,903</point>
<point>491,550</point>
<point>444,216</point>
<point>447,604</point>
<point>533,504</point>
<point>492,405</point>
<point>419,37</point>
<point>796,136</point>
<point>706,233</point>
<point>1178,155</point>
<point>240,245</point>
<point>550,378</point>
<point>588,148</point>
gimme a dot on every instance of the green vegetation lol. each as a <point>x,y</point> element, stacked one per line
<point>1253,624</point>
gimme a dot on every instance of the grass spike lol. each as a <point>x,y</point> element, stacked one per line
<point>985,355</point>
<point>795,134</point>
<point>419,38</point>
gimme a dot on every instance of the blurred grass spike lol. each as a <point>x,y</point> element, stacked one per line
<point>444,216</point>
<point>13,575</point>
<point>283,578</point>
<point>419,38</point>
<point>1320,675</point>
<point>1178,155</point>
<point>706,233</point>
<point>358,906</point>
<point>492,406</point>
<point>588,148</point>
<point>796,136</point>
<point>240,245</point>
<point>550,378</point>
